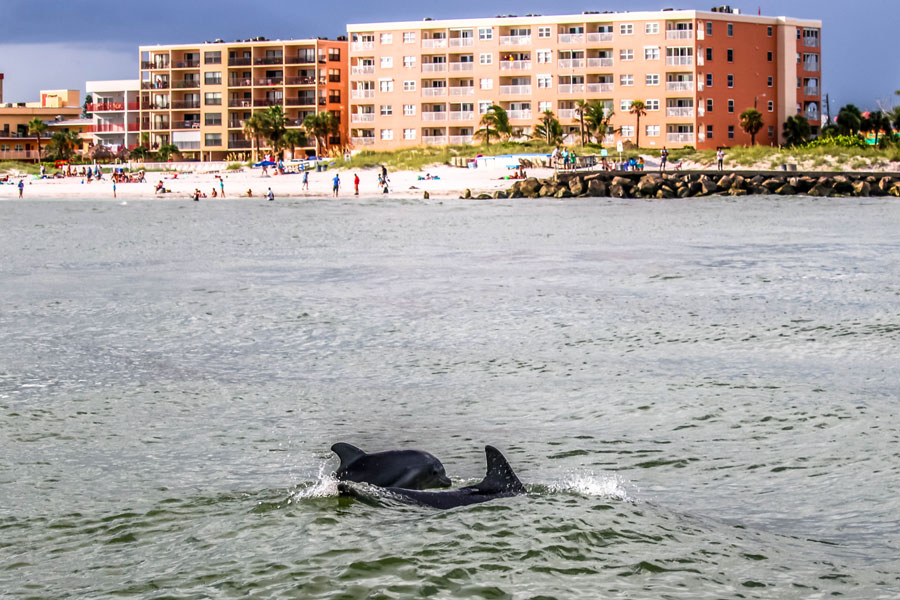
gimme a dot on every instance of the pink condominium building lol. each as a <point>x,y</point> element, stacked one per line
<point>429,82</point>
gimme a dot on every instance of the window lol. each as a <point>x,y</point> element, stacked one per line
<point>771,131</point>
<point>731,132</point>
<point>709,105</point>
<point>626,54</point>
<point>484,105</point>
<point>544,56</point>
<point>486,84</point>
<point>545,106</point>
<point>625,105</point>
<point>651,28</point>
<point>334,97</point>
<point>709,28</point>
<point>544,32</point>
<point>769,56</point>
<point>387,62</point>
<point>770,81</point>
<point>409,134</point>
<point>626,29</point>
<point>731,30</point>
<point>334,54</point>
<point>652,130</point>
<point>334,75</point>
<point>387,85</point>
<point>709,54</point>
<point>409,37</point>
<point>709,80</point>
<point>544,81</point>
<point>212,98</point>
<point>409,110</point>
<point>709,132</point>
<point>731,55</point>
<point>387,110</point>
<point>212,78</point>
<point>731,106</point>
<point>651,53</point>
<point>652,79</point>
<point>771,106</point>
<point>627,130</point>
<point>769,31</point>
<point>387,134</point>
<point>213,139</point>
<point>652,104</point>
<point>387,38</point>
<point>485,58</point>
<point>212,119</point>
<point>626,80</point>
<point>730,80</point>
<point>485,33</point>
<point>409,61</point>
<point>409,85</point>
<point>212,58</point>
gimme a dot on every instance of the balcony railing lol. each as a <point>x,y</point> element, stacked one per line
<point>434,43</point>
<point>599,88</point>
<point>434,116</point>
<point>268,102</point>
<point>362,117</point>
<point>599,62</point>
<point>185,105</point>
<point>159,125</point>
<point>593,38</point>
<point>462,91</point>
<point>512,90</point>
<point>154,85</point>
<point>462,42</point>
<point>300,59</point>
<point>571,88</point>
<point>811,91</point>
<point>187,64</point>
<point>811,42</point>
<point>679,111</point>
<point>235,123</point>
<point>239,144</point>
<point>110,106</point>
<point>459,140</point>
<point>434,67</point>
<point>679,86</point>
<point>362,94</point>
<point>571,38</point>
<point>434,140</point>
<point>300,81</point>
<point>186,83</point>
<point>679,60</point>
<point>679,34</point>
<point>515,40</point>
<point>17,154</point>
<point>240,82</point>
<point>133,126</point>
<point>434,91</point>
<point>242,61</point>
<point>301,101</point>
<point>358,46</point>
<point>187,145</point>
<point>462,66</point>
<point>515,65</point>
<point>105,128</point>
<point>362,70</point>
<point>186,125</point>
<point>571,63</point>
<point>269,60</point>
<point>362,141</point>
<point>240,103</point>
<point>519,114</point>
<point>155,65</point>
<point>270,81</point>
<point>811,65</point>
<point>679,138</point>
<point>462,115</point>
<point>567,113</point>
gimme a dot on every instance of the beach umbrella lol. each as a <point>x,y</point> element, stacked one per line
<point>264,163</point>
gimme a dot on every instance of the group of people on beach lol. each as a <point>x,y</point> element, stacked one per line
<point>563,159</point>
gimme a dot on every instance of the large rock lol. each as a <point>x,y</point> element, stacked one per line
<point>500,194</point>
<point>619,190</point>
<point>647,186</point>
<point>576,186</point>
<point>736,191</point>
<point>530,186</point>
<point>596,187</point>
<point>665,191</point>
<point>786,190</point>
<point>547,190</point>
<point>862,188</point>
<point>885,184</point>
<point>772,184</point>
<point>467,194</point>
<point>739,183</point>
<point>563,193</point>
<point>842,185</point>
<point>804,184</point>
<point>822,188</point>
<point>895,190</point>
<point>725,181</point>
<point>708,186</point>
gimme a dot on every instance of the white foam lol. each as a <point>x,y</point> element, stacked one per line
<point>325,486</point>
<point>589,484</point>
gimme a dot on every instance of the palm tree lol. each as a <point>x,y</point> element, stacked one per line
<point>638,109</point>
<point>849,119</point>
<point>63,144</point>
<point>580,107</point>
<point>274,127</point>
<point>895,118</point>
<point>37,128</point>
<point>254,126</point>
<point>796,130</point>
<point>294,138</point>
<point>598,119</point>
<point>876,122</point>
<point>751,122</point>
<point>494,122</point>
<point>321,126</point>
<point>549,128</point>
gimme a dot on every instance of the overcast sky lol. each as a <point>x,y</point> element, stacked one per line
<point>63,43</point>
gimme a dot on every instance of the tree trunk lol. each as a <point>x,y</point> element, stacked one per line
<point>638,132</point>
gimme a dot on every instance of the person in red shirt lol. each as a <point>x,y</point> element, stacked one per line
<point>356,184</point>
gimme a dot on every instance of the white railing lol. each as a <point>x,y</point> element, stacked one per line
<point>679,60</point>
<point>571,38</point>
<point>515,40</point>
<point>362,141</point>
<point>679,86</point>
<point>567,113</point>
<point>361,94</point>
<point>679,34</point>
<point>599,62</point>
<point>358,46</point>
<point>811,66</point>
<point>434,140</point>
<point>362,117</point>
<point>515,65</point>
<point>514,89</point>
<point>571,88</point>
<point>811,91</point>
<point>462,91</point>
<point>679,111</point>
<point>462,115</point>
<point>458,140</point>
<point>519,114</point>
<point>434,67</point>
<point>570,63</point>
<point>434,116</point>
<point>434,91</point>
<point>462,66</point>
<point>599,37</point>
<point>461,42</point>
<point>811,42</point>
<point>362,70</point>
<point>597,88</point>
<point>434,43</point>
<point>679,138</point>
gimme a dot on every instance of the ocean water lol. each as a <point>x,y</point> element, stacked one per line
<point>701,396</point>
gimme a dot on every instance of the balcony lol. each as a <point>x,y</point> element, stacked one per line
<point>268,102</point>
<point>567,113</point>
<point>680,111</point>
<point>186,83</point>
<point>242,82</point>
<point>811,91</point>
<point>155,65</point>
<point>240,103</point>
<point>593,38</point>
<point>515,65</point>
<point>519,114</point>
<point>300,59</point>
<point>680,86</point>
<point>599,62</point>
<point>300,81</point>
<point>571,38</point>
<point>362,117</point>
<point>154,85</point>
<point>17,154</point>
<point>459,140</point>
<point>462,66</point>
<point>105,128</point>
<point>186,125</point>
<point>462,91</point>
<point>434,140</point>
<point>270,81</point>
<point>362,141</point>
<point>515,40</point>
<point>187,145</point>
<point>235,123</point>
<point>359,46</point>
<point>185,105</point>
<point>239,62</point>
<point>513,90</point>
<point>679,60</point>
<point>362,70</point>
<point>133,126</point>
<point>811,42</point>
<point>462,42</point>
<point>240,144</point>
<point>301,101</point>
<point>811,65</point>
<point>680,138</point>
<point>159,126</point>
<point>187,64</point>
<point>434,43</point>
<point>269,60</point>
<point>571,88</point>
<point>361,94</point>
<point>679,34</point>
<point>599,88</point>
<point>812,115</point>
<point>434,91</point>
<point>570,63</point>
<point>434,116</point>
<point>462,115</point>
<point>434,67</point>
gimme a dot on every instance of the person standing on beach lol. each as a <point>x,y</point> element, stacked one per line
<point>270,195</point>
<point>305,180</point>
<point>114,189</point>
<point>720,158</point>
<point>21,187</point>
<point>663,157</point>
<point>222,185</point>
<point>356,184</point>
<point>336,185</point>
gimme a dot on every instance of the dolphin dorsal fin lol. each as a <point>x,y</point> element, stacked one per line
<point>348,453</point>
<point>499,476</point>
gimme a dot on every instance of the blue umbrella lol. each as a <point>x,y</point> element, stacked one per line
<point>265,163</point>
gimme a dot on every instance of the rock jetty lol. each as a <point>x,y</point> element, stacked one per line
<point>700,183</point>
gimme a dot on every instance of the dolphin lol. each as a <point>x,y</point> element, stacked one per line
<point>407,469</point>
<point>499,482</point>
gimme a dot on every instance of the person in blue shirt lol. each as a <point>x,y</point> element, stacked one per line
<point>336,185</point>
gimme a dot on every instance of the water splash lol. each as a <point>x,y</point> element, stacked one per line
<point>590,484</point>
<point>325,486</point>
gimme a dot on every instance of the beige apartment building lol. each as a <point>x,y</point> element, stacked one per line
<point>196,96</point>
<point>429,82</point>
